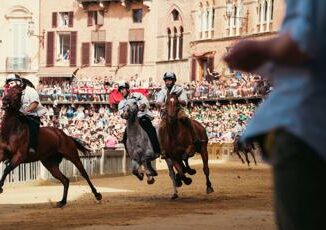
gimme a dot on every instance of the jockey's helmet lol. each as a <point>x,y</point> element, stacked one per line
<point>14,78</point>
<point>169,75</point>
<point>123,85</point>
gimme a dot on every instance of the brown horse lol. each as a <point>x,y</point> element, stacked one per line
<point>177,142</point>
<point>245,148</point>
<point>53,145</point>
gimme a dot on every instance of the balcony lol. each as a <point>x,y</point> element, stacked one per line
<point>18,64</point>
<point>104,3</point>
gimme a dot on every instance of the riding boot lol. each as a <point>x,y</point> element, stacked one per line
<point>33,124</point>
<point>148,127</point>
<point>196,140</point>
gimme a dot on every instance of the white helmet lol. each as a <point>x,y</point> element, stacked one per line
<point>14,77</point>
<point>123,84</point>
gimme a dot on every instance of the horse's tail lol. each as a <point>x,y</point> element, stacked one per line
<point>81,146</point>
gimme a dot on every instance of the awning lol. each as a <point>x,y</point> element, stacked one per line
<point>57,72</point>
<point>204,54</point>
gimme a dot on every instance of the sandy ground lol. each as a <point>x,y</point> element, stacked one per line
<point>242,200</point>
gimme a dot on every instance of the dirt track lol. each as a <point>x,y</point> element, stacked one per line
<point>242,200</point>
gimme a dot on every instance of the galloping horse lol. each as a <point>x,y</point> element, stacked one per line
<point>53,145</point>
<point>245,148</point>
<point>178,144</point>
<point>138,144</point>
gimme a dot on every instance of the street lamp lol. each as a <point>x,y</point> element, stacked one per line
<point>31,30</point>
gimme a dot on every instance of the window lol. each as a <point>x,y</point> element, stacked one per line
<point>272,10</point>
<point>235,16</point>
<point>99,53</point>
<point>169,44</point>
<point>63,51</point>
<point>63,19</point>
<point>137,15</point>
<point>265,11</point>
<point>136,52</point>
<point>175,15</point>
<point>95,18</point>
<point>174,50</point>
<point>181,43</point>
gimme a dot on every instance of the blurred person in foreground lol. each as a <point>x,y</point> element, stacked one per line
<point>290,125</point>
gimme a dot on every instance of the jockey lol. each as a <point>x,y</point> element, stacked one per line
<point>171,88</point>
<point>31,107</point>
<point>145,117</point>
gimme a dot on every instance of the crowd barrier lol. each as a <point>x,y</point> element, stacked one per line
<point>103,162</point>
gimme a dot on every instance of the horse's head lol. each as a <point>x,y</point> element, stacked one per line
<point>172,106</point>
<point>12,101</point>
<point>130,111</point>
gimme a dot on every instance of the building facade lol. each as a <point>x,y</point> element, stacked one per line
<point>20,38</point>
<point>126,38</point>
<point>219,24</point>
<point>101,38</point>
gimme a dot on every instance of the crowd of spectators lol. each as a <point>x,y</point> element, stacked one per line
<point>240,85</point>
<point>100,127</point>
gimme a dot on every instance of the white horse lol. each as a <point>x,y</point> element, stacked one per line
<point>138,144</point>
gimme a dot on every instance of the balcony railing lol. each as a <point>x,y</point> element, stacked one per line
<point>18,64</point>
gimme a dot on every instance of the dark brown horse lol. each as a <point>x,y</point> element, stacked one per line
<point>53,145</point>
<point>176,141</point>
<point>245,148</point>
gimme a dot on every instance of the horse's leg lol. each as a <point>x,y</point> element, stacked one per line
<point>147,165</point>
<point>253,156</point>
<point>172,176</point>
<point>183,177</point>
<point>56,173</point>
<point>247,158</point>
<point>14,162</point>
<point>77,162</point>
<point>187,168</point>
<point>238,153</point>
<point>135,170</point>
<point>204,156</point>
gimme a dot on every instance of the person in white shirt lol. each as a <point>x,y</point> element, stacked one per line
<point>31,107</point>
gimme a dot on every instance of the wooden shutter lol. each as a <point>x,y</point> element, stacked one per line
<point>123,49</point>
<point>108,53</point>
<point>71,19</point>
<point>50,49</point>
<point>54,19</point>
<point>193,69</point>
<point>73,50</point>
<point>100,17</point>
<point>90,18</point>
<point>85,53</point>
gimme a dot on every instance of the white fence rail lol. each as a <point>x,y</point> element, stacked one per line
<point>104,162</point>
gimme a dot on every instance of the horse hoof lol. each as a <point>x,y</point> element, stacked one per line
<point>191,171</point>
<point>187,180</point>
<point>98,196</point>
<point>1,190</point>
<point>151,181</point>
<point>140,176</point>
<point>60,204</point>
<point>174,197</point>
<point>209,190</point>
